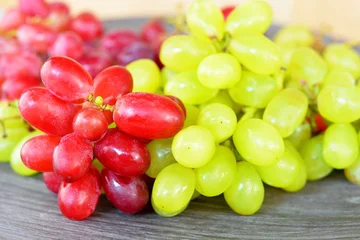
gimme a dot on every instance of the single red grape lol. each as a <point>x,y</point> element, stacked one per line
<point>78,200</point>
<point>12,19</point>
<point>134,51</point>
<point>87,25</point>
<point>66,79</point>
<point>12,88</point>
<point>67,44</point>
<point>52,181</point>
<point>37,152</point>
<point>227,10</point>
<point>34,7</point>
<point>59,16</point>
<point>72,157</point>
<point>179,102</point>
<point>112,83</point>
<point>59,7</point>
<point>90,123</point>
<point>122,154</point>
<point>20,63</point>
<point>115,41</point>
<point>8,45</point>
<point>128,194</point>
<point>148,115</point>
<point>152,29</point>
<point>95,61</point>
<point>40,108</point>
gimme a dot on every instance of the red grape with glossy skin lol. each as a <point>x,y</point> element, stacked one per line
<point>12,88</point>
<point>128,194</point>
<point>67,44</point>
<point>87,25</point>
<point>123,154</point>
<point>12,19</point>
<point>94,61</point>
<point>134,51</point>
<point>66,79</point>
<point>37,152</point>
<point>78,200</point>
<point>52,181</point>
<point>151,30</point>
<point>41,109</point>
<point>72,157</point>
<point>112,83</point>
<point>37,37</point>
<point>178,101</point>
<point>90,123</point>
<point>114,42</point>
<point>20,63</point>
<point>148,115</point>
<point>34,7</point>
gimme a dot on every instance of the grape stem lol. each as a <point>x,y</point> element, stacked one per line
<point>248,113</point>
<point>4,135</point>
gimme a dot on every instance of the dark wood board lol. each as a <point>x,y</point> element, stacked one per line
<point>328,209</point>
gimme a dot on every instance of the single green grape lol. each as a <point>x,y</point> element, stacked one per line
<point>9,109</point>
<point>164,213</point>
<point>258,142</point>
<point>253,17</point>
<point>15,160</point>
<point>193,146</point>
<point>295,36</point>
<point>307,65</point>
<point>338,76</point>
<point>312,155</point>
<point>301,134</point>
<point>281,174</point>
<point>204,19</point>
<point>338,55</point>
<point>341,145</point>
<point>339,103</point>
<point>160,155</point>
<point>181,53</point>
<point>352,173</point>
<point>192,113</point>
<point>222,97</point>
<point>10,141</point>
<point>246,193</point>
<point>257,53</point>
<point>173,188</point>
<point>286,111</point>
<point>146,75</point>
<point>254,90</point>
<point>187,88</point>
<point>286,54</point>
<point>218,174</point>
<point>219,119</point>
<point>301,178</point>
<point>166,76</point>
<point>219,71</point>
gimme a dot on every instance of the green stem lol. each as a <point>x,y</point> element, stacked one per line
<point>4,135</point>
<point>249,113</point>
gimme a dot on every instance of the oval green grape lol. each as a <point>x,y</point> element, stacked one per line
<point>301,134</point>
<point>146,75</point>
<point>295,36</point>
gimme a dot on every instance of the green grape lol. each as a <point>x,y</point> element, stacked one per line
<point>15,160</point>
<point>312,155</point>
<point>249,18</point>
<point>193,146</point>
<point>283,173</point>
<point>219,119</point>
<point>339,103</point>
<point>173,188</point>
<point>160,155</point>
<point>187,88</point>
<point>301,134</point>
<point>301,178</point>
<point>192,113</point>
<point>258,142</point>
<point>218,174</point>
<point>223,97</point>
<point>9,110</point>
<point>339,55</point>
<point>257,53</point>
<point>307,65</point>
<point>341,145</point>
<point>246,193</point>
<point>195,195</point>
<point>204,19</point>
<point>146,75</point>
<point>286,54</point>
<point>295,36</point>
<point>254,90</point>
<point>338,76</point>
<point>291,83</point>
<point>166,76</point>
<point>10,141</point>
<point>352,173</point>
<point>184,53</point>
<point>286,111</point>
<point>164,213</point>
<point>219,71</point>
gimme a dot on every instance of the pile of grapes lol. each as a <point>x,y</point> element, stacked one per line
<point>215,108</point>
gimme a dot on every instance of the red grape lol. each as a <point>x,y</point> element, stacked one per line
<point>59,7</point>
<point>227,10</point>
<point>20,63</point>
<point>112,83</point>
<point>34,7</point>
<point>78,200</point>
<point>37,37</point>
<point>12,19</point>
<point>8,45</point>
<point>52,181</point>
<point>134,51</point>
<point>72,157</point>
<point>151,30</point>
<point>12,88</point>
<point>66,79</point>
<point>109,116</point>
<point>59,16</point>
<point>122,154</point>
<point>67,44</point>
<point>128,194</point>
<point>37,152</point>
<point>40,108</point>
<point>148,115</point>
<point>179,102</point>
<point>116,41</point>
<point>90,123</point>
<point>87,25</point>
<point>95,62</point>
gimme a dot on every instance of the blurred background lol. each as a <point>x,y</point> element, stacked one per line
<point>341,15</point>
